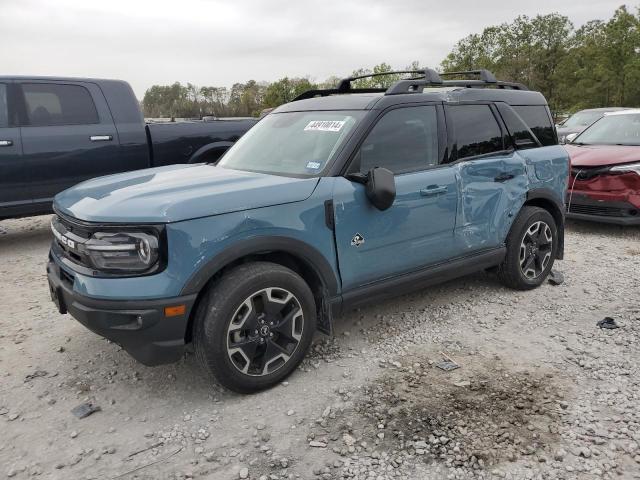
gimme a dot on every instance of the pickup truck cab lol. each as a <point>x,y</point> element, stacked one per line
<point>333,200</point>
<point>57,132</point>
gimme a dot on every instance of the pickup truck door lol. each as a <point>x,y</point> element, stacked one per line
<point>417,230</point>
<point>13,179</point>
<point>68,135</point>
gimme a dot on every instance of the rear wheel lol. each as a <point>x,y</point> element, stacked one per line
<point>532,244</point>
<point>254,326</point>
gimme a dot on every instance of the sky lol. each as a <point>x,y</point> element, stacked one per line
<point>218,43</point>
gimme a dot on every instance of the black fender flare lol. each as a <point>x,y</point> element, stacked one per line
<point>311,257</point>
<point>209,147</point>
<point>547,198</point>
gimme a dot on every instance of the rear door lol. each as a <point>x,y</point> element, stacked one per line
<point>491,173</point>
<point>417,230</point>
<point>13,177</point>
<point>68,136</point>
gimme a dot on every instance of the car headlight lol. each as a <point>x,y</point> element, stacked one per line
<point>630,167</point>
<point>123,251</point>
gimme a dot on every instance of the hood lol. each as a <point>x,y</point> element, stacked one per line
<point>602,155</point>
<point>178,192</point>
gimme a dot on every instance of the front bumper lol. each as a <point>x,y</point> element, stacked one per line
<point>604,208</point>
<point>138,326</point>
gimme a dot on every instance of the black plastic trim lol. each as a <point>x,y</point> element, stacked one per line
<point>139,326</point>
<point>260,245</point>
<point>416,280</point>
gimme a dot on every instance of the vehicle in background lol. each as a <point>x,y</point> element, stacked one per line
<point>605,170</point>
<point>333,200</point>
<point>577,122</point>
<point>57,132</point>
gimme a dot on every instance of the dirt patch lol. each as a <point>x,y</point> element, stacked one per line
<point>480,415</point>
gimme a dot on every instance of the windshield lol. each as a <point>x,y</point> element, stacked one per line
<point>293,143</point>
<point>582,119</point>
<point>612,130</point>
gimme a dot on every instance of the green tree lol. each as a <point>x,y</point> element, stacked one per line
<point>285,90</point>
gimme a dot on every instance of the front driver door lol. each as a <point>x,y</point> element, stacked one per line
<point>418,228</point>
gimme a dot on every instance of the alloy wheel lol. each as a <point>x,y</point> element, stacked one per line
<point>535,250</point>
<point>265,331</point>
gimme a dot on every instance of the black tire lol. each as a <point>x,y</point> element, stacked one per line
<point>224,348</point>
<point>512,270</point>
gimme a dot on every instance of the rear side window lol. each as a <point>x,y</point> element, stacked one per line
<point>4,110</point>
<point>404,140</point>
<point>476,129</point>
<point>520,132</point>
<point>55,104</point>
<point>539,121</point>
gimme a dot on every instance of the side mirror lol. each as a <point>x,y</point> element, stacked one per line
<point>380,188</point>
<point>570,138</point>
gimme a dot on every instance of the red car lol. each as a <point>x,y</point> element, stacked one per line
<point>605,170</point>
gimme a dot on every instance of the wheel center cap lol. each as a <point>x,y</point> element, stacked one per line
<point>264,330</point>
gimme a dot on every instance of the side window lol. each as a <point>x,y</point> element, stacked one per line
<point>539,121</point>
<point>403,140</point>
<point>521,134</point>
<point>55,104</point>
<point>4,110</point>
<point>476,129</point>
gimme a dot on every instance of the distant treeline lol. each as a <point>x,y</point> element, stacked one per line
<point>595,65</point>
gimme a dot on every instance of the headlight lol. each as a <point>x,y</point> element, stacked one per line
<point>630,167</point>
<point>123,251</point>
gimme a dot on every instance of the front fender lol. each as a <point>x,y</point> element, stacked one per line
<point>265,244</point>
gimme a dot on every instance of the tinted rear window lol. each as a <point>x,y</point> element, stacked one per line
<point>539,121</point>
<point>55,104</point>
<point>476,129</point>
<point>520,132</point>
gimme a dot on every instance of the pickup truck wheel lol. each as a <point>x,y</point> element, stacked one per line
<point>532,245</point>
<point>254,326</point>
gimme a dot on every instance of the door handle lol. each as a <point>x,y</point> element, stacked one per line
<point>432,191</point>
<point>100,138</point>
<point>6,143</point>
<point>503,177</point>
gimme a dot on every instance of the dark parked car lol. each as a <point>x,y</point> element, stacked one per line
<point>577,122</point>
<point>57,132</point>
<point>337,199</point>
<point>605,170</point>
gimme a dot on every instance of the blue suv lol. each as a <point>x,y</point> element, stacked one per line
<point>340,197</point>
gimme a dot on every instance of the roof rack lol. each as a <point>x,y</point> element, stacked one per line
<point>425,78</point>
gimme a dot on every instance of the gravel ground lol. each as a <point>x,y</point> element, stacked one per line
<point>541,392</point>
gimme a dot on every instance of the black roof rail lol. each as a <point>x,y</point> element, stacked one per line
<point>425,78</point>
<point>485,75</point>
<point>344,86</point>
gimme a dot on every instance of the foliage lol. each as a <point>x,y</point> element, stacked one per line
<point>595,65</point>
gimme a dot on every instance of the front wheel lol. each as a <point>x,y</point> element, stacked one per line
<point>532,246</point>
<point>254,326</point>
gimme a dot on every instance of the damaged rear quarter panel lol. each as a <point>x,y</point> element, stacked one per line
<point>488,208</point>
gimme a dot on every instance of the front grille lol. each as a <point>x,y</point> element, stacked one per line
<point>68,235</point>
<point>601,210</point>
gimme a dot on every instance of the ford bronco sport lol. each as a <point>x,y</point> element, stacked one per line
<point>339,197</point>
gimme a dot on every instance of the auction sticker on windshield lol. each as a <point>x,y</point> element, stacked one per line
<point>325,125</point>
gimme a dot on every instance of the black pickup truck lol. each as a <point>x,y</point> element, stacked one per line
<point>57,132</point>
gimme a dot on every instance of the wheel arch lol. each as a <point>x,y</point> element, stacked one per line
<point>548,200</point>
<point>296,255</point>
